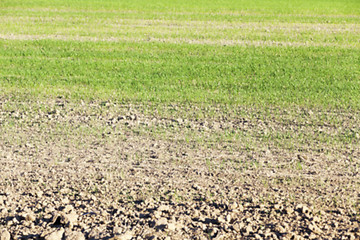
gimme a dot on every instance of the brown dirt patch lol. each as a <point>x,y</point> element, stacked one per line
<point>101,170</point>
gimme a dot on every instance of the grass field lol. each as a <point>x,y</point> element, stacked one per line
<point>180,119</point>
<point>287,52</point>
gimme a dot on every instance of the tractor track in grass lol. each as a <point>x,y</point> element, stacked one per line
<point>220,42</point>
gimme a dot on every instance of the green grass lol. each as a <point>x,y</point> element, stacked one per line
<point>261,6</point>
<point>279,53</point>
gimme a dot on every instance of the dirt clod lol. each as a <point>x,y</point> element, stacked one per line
<point>55,235</point>
<point>126,236</point>
<point>73,235</point>
<point>4,235</point>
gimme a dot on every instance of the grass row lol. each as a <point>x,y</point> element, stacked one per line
<point>318,7</point>
<point>310,76</point>
<point>115,14</point>
<point>205,32</point>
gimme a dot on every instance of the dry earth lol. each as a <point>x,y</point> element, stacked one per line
<point>104,170</point>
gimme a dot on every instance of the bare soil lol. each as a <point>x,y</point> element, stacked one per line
<point>105,170</point>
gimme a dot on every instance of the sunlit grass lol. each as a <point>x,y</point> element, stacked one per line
<point>300,53</point>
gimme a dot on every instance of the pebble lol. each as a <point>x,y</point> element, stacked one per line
<point>249,229</point>
<point>221,219</point>
<point>315,228</point>
<point>126,236</point>
<point>56,235</point>
<point>229,218</point>
<point>65,200</point>
<point>280,229</point>
<point>172,226</point>
<point>71,218</point>
<point>164,208</point>
<point>238,226</point>
<point>352,236</point>
<point>117,230</point>
<point>68,208</point>
<point>303,209</point>
<point>39,194</point>
<point>74,236</point>
<point>289,210</point>
<point>162,221</point>
<point>30,217</point>
<point>234,205</point>
<point>157,214</point>
<point>4,235</point>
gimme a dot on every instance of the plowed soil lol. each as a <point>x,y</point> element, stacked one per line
<point>105,170</point>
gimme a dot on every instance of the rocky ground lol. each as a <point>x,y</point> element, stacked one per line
<point>105,170</point>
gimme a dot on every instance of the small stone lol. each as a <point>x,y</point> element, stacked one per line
<point>117,230</point>
<point>164,208</point>
<point>289,210</point>
<point>313,236</point>
<point>65,191</point>
<point>196,213</point>
<point>240,208</point>
<point>303,209</point>
<point>280,229</point>
<point>95,233</point>
<point>221,219</point>
<point>277,206</point>
<point>315,229</point>
<point>49,209</point>
<point>172,226</point>
<point>3,211</point>
<point>352,236</point>
<point>74,236</point>
<point>298,237</point>
<point>316,219</point>
<point>216,212</point>
<point>238,226</point>
<point>65,200</point>
<point>249,229</point>
<point>161,221</point>
<point>70,219</point>
<point>202,226</point>
<point>302,158</point>
<point>274,236</point>
<point>157,214</point>
<point>83,225</point>
<point>126,236</point>
<point>68,208</point>
<point>4,235</point>
<point>229,218</point>
<point>267,232</point>
<point>234,205</point>
<point>56,235</point>
<point>30,217</point>
<point>63,219</point>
